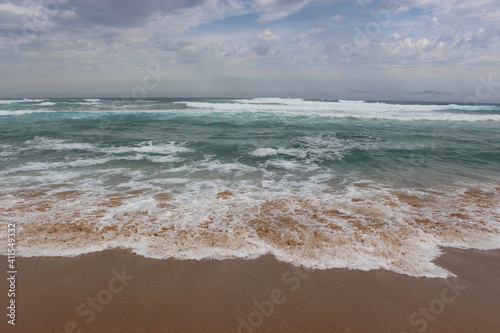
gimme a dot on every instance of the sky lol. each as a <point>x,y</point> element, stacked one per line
<point>414,50</point>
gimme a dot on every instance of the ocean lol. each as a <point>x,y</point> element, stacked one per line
<point>317,183</point>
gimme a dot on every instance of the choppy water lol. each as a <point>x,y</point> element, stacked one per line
<point>316,183</point>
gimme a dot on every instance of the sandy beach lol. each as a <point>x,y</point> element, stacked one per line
<point>118,291</point>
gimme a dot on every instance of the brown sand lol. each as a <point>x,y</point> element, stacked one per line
<point>83,294</point>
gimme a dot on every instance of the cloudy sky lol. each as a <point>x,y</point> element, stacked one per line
<point>435,50</point>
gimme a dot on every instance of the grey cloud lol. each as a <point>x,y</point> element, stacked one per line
<point>363,91</point>
<point>177,46</point>
<point>262,42</point>
<point>430,92</point>
<point>261,48</point>
<point>123,13</point>
<point>10,23</point>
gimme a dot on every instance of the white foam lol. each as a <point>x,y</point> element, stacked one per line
<point>312,148</point>
<point>263,152</point>
<point>25,100</point>
<point>357,109</point>
<point>34,166</point>
<point>21,112</point>
<point>164,159</point>
<point>8,153</point>
<point>377,230</point>
<point>90,101</point>
<point>292,165</point>
<point>350,101</point>
<point>270,100</point>
<point>45,177</point>
<point>43,143</point>
<point>168,149</point>
<point>149,147</point>
<point>3,101</point>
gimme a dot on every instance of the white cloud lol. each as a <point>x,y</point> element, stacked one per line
<point>272,10</point>
<point>263,42</point>
<point>459,11</point>
<point>13,8</point>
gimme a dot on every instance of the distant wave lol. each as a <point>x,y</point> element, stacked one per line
<point>284,107</point>
<point>350,101</point>
<point>356,109</point>
<point>25,100</point>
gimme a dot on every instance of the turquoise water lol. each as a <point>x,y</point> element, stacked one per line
<point>163,164</point>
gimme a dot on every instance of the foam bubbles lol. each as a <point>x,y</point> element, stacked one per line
<point>43,143</point>
<point>366,226</point>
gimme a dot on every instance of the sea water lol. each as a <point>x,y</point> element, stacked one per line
<point>318,183</point>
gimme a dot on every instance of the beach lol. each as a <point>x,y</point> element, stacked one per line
<point>118,291</point>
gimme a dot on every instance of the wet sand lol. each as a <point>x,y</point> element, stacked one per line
<point>117,291</point>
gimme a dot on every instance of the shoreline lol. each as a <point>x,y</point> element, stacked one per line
<point>118,291</point>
